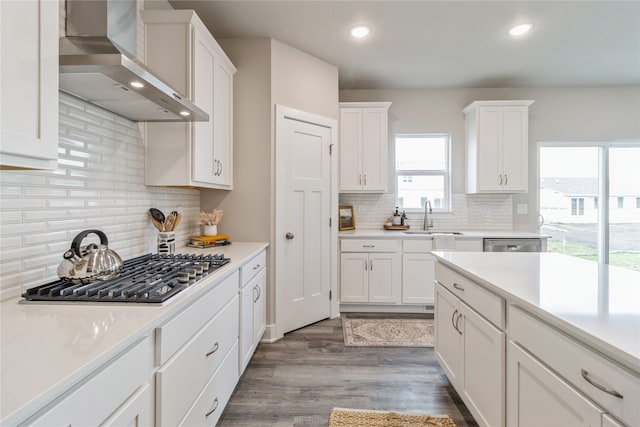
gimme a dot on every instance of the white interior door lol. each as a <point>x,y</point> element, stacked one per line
<point>303,211</point>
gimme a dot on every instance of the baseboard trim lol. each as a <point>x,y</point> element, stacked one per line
<point>366,308</point>
<point>269,335</point>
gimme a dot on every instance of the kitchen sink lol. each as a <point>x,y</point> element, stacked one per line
<point>433,233</point>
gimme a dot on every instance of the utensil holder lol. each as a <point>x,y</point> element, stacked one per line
<point>166,242</point>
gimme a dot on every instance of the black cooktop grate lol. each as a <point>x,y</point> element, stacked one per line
<point>149,278</point>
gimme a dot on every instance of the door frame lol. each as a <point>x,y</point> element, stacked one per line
<point>281,114</point>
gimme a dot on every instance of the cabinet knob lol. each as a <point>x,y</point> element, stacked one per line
<point>289,236</point>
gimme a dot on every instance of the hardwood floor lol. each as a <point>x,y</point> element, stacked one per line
<point>297,380</point>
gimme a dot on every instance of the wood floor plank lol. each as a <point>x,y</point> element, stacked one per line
<point>297,380</point>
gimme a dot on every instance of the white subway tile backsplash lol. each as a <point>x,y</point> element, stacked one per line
<point>469,212</point>
<point>99,184</point>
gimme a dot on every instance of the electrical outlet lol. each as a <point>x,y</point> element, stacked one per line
<point>521,208</point>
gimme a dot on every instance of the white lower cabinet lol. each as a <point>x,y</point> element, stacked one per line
<point>581,375</point>
<point>136,412</point>
<point>471,351</point>
<point>371,277</point>
<point>210,403</point>
<point>538,397</point>
<point>112,390</point>
<point>418,272</point>
<point>252,316</point>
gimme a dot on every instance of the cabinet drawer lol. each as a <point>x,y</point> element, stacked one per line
<point>249,270</point>
<point>349,245</point>
<point>488,304</point>
<point>210,404</point>
<point>96,399</point>
<point>183,378</point>
<point>417,246</point>
<point>177,331</point>
<point>570,358</point>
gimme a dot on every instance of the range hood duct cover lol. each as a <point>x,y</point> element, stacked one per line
<point>97,64</point>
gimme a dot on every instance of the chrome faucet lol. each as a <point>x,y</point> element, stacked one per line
<point>426,225</point>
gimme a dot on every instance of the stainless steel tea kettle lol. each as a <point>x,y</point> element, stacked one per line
<point>90,263</point>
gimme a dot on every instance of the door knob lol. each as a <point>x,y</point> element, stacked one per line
<point>289,236</point>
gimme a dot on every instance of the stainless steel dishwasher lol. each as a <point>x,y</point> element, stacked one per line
<point>513,245</point>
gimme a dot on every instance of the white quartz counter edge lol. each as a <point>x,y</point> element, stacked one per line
<point>602,346</point>
<point>466,234</point>
<point>48,348</point>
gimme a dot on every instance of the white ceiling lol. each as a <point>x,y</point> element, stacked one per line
<point>445,44</point>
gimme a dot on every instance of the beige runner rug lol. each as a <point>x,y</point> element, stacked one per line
<point>341,417</point>
<point>387,332</point>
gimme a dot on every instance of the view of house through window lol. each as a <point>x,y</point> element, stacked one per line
<point>573,179</point>
<point>422,171</point>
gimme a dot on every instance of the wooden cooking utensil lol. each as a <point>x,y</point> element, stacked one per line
<point>168,222</point>
<point>177,221</point>
<point>157,224</point>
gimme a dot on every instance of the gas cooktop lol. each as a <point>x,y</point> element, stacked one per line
<point>150,278</point>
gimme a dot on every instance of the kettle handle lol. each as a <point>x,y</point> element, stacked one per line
<point>75,245</point>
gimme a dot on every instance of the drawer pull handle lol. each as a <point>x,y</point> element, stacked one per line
<point>456,325</point>
<point>255,267</point>
<point>368,246</point>
<point>453,322</point>
<point>215,406</point>
<point>590,380</point>
<point>215,348</point>
<point>458,287</point>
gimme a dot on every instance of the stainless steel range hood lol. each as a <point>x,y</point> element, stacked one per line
<point>97,64</point>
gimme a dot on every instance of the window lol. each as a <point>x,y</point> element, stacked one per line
<point>422,171</point>
<point>577,206</point>
<point>606,232</point>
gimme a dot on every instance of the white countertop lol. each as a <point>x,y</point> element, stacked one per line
<point>596,303</point>
<point>46,348</point>
<point>466,234</point>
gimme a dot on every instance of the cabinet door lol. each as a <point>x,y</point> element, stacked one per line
<point>222,123</point>
<point>205,167</point>
<point>385,277</point>
<point>354,277</point>
<point>489,131</point>
<point>514,148</point>
<point>483,364</point>
<point>29,81</point>
<point>448,347</point>
<point>247,295</point>
<point>418,275</point>
<point>136,412</point>
<point>374,149</point>
<point>538,397</point>
<point>350,149</point>
<point>259,308</point>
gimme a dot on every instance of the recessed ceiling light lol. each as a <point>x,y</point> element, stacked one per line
<point>136,84</point>
<point>360,32</point>
<point>185,113</point>
<point>521,29</point>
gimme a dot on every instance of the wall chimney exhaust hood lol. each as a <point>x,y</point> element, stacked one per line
<point>97,64</point>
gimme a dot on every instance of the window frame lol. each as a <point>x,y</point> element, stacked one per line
<point>446,173</point>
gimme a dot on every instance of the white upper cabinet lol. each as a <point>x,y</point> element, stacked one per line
<point>363,147</point>
<point>497,146</point>
<point>29,84</point>
<point>184,54</point>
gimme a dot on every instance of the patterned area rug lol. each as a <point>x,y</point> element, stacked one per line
<point>387,332</point>
<point>341,417</point>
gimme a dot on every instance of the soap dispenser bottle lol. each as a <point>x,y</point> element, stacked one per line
<point>403,218</point>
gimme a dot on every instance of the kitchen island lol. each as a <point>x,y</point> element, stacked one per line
<point>57,354</point>
<point>556,336</point>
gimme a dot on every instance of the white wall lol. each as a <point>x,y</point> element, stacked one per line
<point>558,114</point>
